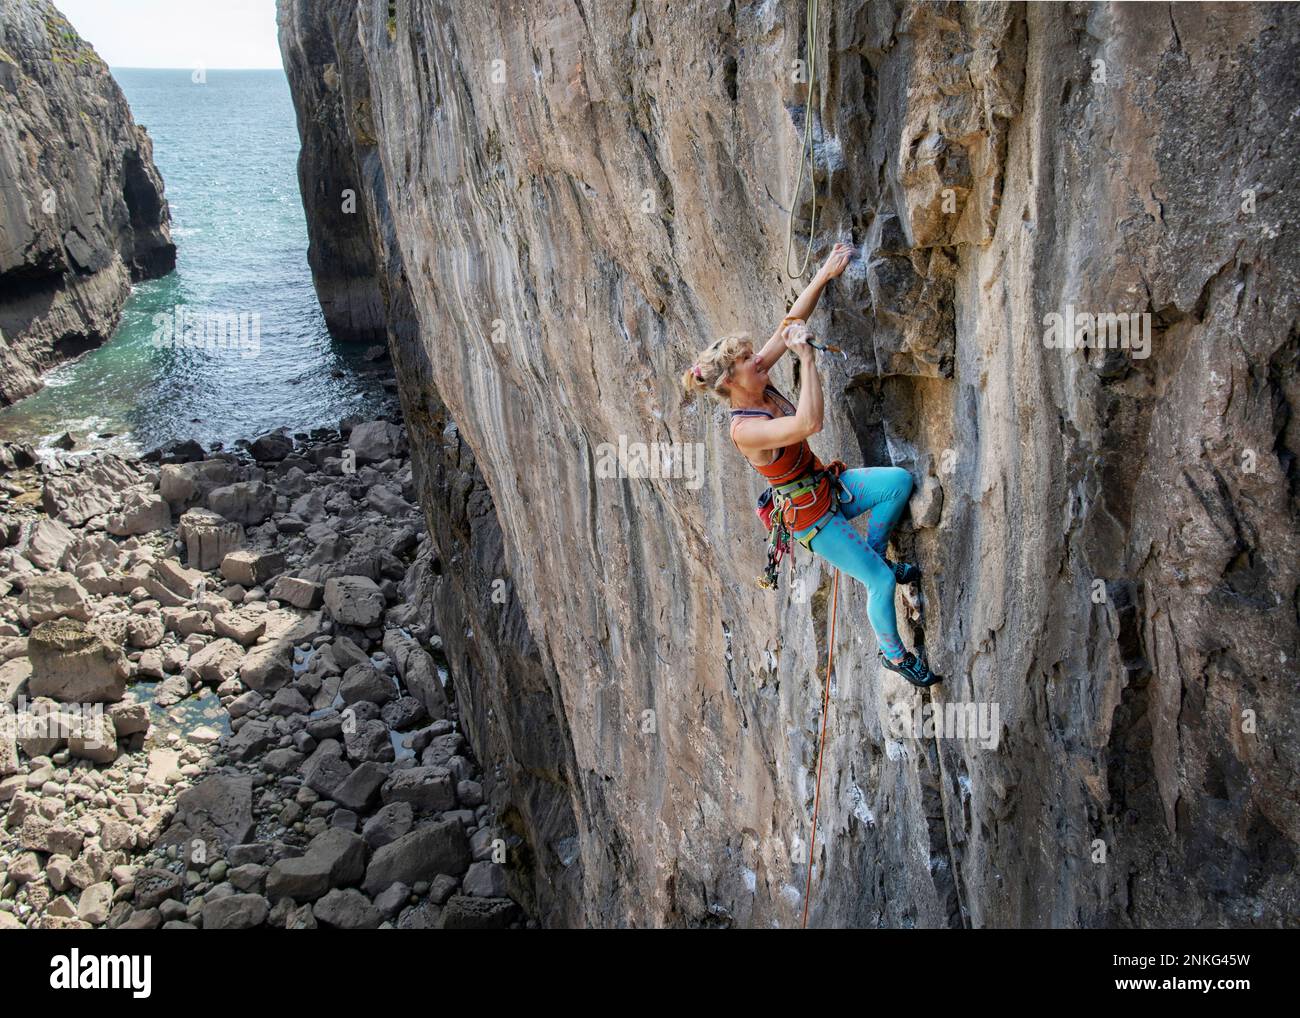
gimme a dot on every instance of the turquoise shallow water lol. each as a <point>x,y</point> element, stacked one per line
<point>227,151</point>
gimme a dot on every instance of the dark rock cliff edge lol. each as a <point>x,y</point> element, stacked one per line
<point>82,212</point>
<point>558,206</point>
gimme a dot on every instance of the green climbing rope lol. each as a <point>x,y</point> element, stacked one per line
<point>806,155</point>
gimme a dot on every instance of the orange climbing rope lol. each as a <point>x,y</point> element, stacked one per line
<point>821,744</point>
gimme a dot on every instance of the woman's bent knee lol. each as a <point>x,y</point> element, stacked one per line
<point>897,481</point>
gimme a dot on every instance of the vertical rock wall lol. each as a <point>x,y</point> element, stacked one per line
<point>564,203</point>
<point>82,212</point>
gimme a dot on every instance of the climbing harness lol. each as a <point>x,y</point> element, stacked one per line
<point>821,745</point>
<point>806,154</point>
<point>777,509</point>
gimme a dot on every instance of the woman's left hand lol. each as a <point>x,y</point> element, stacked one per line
<point>797,335</point>
<point>838,260</point>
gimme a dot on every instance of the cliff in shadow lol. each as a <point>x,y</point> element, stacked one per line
<point>557,207</point>
<point>82,212</point>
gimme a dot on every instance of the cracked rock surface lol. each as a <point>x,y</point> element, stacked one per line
<point>559,206</point>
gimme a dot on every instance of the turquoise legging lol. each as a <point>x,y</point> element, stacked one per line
<point>882,491</point>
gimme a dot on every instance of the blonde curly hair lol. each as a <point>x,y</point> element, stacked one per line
<point>712,369</point>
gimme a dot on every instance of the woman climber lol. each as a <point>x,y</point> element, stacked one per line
<point>814,502</point>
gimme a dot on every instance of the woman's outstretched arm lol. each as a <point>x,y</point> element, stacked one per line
<point>803,308</point>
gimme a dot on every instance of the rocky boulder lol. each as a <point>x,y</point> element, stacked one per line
<point>347,910</point>
<point>142,513</point>
<point>376,441</point>
<point>47,542</point>
<point>271,447</point>
<point>92,487</point>
<point>434,848</point>
<point>212,816</point>
<point>267,666</point>
<point>217,662</point>
<point>299,593</point>
<point>94,738</point>
<point>183,484</point>
<point>55,596</point>
<point>72,664</point>
<point>354,600</point>
<point>208,537</point>
<point>247,502</point>
<point>252,568</point>
<point>235,912</point>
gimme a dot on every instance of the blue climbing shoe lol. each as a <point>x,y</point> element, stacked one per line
<point>904,572</point>
<point>912,668</point>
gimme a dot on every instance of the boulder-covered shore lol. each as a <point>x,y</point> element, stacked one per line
<point>558,206</point>
<point>82,211</point>
<point>221,702</point>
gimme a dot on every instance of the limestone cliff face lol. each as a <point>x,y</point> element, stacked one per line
<point>561,205</point>
<point>82,212</point>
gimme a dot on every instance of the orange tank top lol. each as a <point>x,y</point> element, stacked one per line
<point>791,463</point>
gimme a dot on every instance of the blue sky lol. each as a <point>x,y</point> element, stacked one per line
<point>178,33</point>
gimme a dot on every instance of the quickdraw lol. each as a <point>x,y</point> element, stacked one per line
<point>778,540</point>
